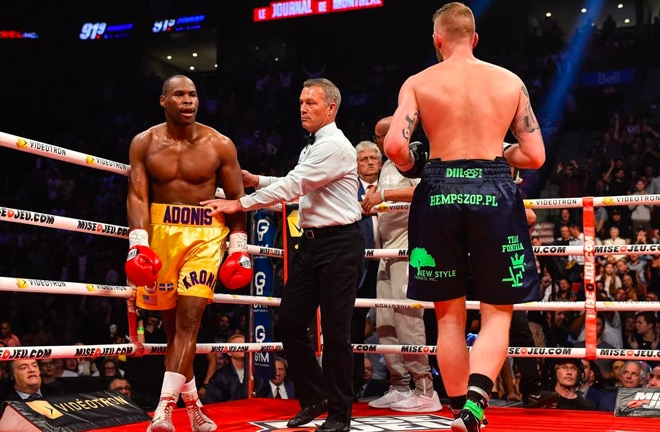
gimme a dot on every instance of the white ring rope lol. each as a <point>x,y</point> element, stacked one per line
<point>8,214</point>
<point>77,288</point>
<point>106,350</point>
<point>27,145</point>
<point>54,152</point>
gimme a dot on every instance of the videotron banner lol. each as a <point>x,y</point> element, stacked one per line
<point>72,413</point>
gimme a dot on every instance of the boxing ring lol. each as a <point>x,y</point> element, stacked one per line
<point>269,414</point>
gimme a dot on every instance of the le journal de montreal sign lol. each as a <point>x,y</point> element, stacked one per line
<point>298,8</point>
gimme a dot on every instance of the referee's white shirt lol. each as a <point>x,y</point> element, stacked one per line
<point>325,179</point>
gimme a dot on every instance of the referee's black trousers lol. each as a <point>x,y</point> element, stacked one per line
<point>325,272</point>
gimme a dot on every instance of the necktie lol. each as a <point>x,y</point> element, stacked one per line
<point>34,397</point>
<point>311,139</point>
<point>277,393</point>
<point>370,186</point>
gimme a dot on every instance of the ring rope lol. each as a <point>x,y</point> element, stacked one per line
<point>8,214</point>
<point>27,145</point>
<point>77,288</point>
<point>113,350</point>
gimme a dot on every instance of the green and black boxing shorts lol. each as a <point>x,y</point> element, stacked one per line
<point>467,216</point>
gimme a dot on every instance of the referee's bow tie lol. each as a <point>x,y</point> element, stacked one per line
<point>311,139</point>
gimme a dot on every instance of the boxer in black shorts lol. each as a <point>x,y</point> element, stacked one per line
<point>463,203</point>
<point>470,207</point>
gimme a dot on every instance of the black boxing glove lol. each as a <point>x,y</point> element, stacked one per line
<point>418,158</point>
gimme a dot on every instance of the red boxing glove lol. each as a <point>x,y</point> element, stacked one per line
<point>236,271</point>
<point>143,263</point>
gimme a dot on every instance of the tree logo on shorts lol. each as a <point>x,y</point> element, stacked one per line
<point>419,258</point>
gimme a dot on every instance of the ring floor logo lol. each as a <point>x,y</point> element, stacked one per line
<point>429,422</point>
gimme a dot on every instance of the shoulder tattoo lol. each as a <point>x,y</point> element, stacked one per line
<point>525,120</point>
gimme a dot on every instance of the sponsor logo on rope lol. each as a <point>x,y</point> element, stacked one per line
<point>231,348</point>
<point>630,199</point>
<point>24,353</point>
<point>26,283</point>
<point>550,249</point>
<point>27,216</point>
<point>629,353</point>
<point>102,352</point>
<point>641,248</point>
<point>397,305</point>
<point>419,423</point>
<point>96,287</point>
<point>24,143</point>
<point>418,349</point>
<point>101,228</point>
<point>539,351</point>
<point>552,202</point>
<point>93,160</point>
<point>271,251</point>
<point>45,409</point>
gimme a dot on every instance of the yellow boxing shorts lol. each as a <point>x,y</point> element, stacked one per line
<point>191,244</point>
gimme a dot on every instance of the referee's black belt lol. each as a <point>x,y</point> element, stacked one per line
<point>313,233</point>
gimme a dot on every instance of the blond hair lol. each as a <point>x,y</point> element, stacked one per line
<point>454,21</point>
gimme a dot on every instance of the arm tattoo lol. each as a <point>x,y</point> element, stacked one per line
<point>407,131</point>
<point>525,121</point>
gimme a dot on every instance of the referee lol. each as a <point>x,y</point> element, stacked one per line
<point>328,265</point>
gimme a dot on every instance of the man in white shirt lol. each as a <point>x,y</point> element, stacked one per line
<point>327,267</point>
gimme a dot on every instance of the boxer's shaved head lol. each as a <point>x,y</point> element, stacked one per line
<point>168,82</point>
<point>455,22</point>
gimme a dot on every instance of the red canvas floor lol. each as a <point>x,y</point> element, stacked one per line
<point>258,415</point>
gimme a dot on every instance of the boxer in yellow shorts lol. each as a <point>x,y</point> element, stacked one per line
<point>191,244</point>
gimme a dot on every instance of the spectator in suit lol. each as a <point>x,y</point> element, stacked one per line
<point>633,375</point>
<point>279,387</point>
<point>371,387</point>
<point>369,162</point>
<point>27,382</point>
